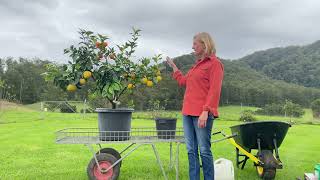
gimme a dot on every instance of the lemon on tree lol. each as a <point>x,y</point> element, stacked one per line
<point>159,78</point>
<point>130,86</point>
<point>104,44</point>
<point>149,83</point>
<point>82,81</point>
<point>87,74</point>
<point>133,76</point>
<point>101,45</point>
<point>144,80</point>
<point>110,79</point>
<point>71,88</point>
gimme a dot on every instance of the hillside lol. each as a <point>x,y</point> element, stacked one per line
<point>293,64</point>
<point>242,84</point>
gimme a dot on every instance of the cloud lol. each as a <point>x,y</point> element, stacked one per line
<point>44,28</point>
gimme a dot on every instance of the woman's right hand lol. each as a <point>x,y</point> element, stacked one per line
<point>171,64</point>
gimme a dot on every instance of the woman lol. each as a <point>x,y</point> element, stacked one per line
<point>200,103</point>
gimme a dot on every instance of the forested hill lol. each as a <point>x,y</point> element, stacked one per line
<point>293,64</point>
<point>242,84</point>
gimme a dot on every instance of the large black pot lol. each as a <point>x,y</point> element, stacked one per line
<point>111,121</point>
<point>166,127</point>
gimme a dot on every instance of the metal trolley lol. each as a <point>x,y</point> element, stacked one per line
<point>265,136</point>
<point>106,163</point>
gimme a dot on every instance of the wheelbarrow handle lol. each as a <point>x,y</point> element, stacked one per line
<point>223,134</point>
<point>215,133</point>
<point>225,137</point>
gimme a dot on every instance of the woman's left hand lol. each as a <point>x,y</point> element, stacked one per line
<point>202,120</point>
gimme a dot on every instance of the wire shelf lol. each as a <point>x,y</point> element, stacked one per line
<point>136,135</point>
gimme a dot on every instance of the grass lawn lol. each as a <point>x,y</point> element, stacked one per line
<point>28,149</point>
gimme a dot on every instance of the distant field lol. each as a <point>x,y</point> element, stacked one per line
<point>28,149</point>
<point>228,113</point>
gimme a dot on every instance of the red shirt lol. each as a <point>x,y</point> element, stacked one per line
<point>203,86</point>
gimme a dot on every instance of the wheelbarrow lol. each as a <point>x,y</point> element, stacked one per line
<point>264,136</point>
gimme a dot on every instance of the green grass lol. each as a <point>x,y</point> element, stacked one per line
<point>37,106</point>
<point>28,149</point>
<point>232,113</point>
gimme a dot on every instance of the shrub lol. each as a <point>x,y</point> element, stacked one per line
<point>315,106</point>
<point>247,116</point>
<point>271,109</point>
<point>288,108</point>
<point>293,110</point>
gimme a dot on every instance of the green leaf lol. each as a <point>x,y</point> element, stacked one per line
<point>111,90</point>
<point>105,91</point>
<point>116,87</point>
<point>66,51</point>
<point>78,66</point>
<point>88,33</point>
<point>65,74</point>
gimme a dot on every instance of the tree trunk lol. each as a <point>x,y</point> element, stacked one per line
<point>114,105</point>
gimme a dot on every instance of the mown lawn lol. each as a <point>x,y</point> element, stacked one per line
<point>28,149</point>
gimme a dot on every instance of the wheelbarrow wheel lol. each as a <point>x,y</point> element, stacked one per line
<point>267,174</point>
<point>111,151</point>
<point>268,171</point>
<point>105,161</point>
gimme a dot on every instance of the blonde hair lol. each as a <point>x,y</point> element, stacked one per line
<point>208,42</point>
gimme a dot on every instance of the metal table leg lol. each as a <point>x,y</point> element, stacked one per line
<point>171,164</point>
<point>159,162</point>
<point>177,161</point>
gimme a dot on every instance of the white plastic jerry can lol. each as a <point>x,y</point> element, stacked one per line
<point>223,169</point>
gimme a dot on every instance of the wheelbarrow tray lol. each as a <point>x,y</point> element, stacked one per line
<point>266,131</point>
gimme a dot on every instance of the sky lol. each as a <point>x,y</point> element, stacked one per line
<point>43,28</point>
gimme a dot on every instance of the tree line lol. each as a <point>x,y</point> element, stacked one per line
<point>22,80</point>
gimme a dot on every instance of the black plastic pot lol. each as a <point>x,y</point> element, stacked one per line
<point>166,127</point>
<point>114,120</point>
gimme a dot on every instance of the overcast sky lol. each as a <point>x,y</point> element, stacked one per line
<point>35,28</point>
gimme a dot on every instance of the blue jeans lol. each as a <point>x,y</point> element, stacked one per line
<point>194,137</point>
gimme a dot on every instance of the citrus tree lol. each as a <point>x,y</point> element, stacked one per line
<point>110,66</point>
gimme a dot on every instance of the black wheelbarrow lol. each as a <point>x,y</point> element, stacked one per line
<point>264,136</point>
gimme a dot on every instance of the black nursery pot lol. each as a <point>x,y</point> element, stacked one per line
<point>166,127</point>
<point>112,121</point>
